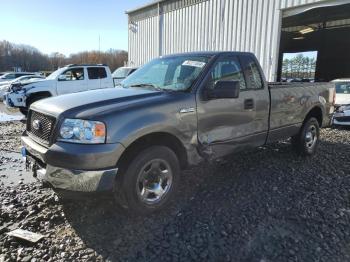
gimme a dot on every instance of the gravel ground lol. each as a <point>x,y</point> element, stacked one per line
<point>10,133</point>
<point>266,205</point>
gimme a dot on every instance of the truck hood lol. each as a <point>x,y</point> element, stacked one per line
<point>38,83</point>
<point>89,100</point>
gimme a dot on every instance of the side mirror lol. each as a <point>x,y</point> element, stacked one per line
<point>224,89</point>
<point>62,78</point>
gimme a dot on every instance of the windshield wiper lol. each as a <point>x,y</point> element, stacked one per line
<point>153,87</point>
<point>147,85</point>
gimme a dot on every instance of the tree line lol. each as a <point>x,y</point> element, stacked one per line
<point>30,59</point>
<point>299,66</point>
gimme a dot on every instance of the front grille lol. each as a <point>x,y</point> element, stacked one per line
<point>343,119</point>
<point>40,126</point>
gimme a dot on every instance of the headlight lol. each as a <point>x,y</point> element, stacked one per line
<point>16,87</point>
<point>82,131</point>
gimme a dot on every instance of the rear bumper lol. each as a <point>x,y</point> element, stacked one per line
<point>76,167</point>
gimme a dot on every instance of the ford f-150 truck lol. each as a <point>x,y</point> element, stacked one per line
<point>69,79</point>
<point>173,112</point>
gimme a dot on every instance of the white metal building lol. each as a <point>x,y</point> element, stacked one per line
<point>265,27</point>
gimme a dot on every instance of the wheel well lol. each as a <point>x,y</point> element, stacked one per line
<point>160,138</point>
<point>316,112</point>
<point>39,94</point>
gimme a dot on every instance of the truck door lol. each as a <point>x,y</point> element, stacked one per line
<point>98,78</point>
<point>226,125</point>
<point>71,81</point>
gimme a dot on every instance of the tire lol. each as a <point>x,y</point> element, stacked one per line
<point>306,141</point>
<point>31,100</point>
<point>23,110</point>
<point>139,189</point>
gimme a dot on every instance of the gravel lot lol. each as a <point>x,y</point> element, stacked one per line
<point>266,205</point>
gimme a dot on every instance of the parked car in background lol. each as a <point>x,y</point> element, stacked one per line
<point>66,80</point>
<point>13,75</point>
<point>45,73</point>
<point>173,112</point>
<point>299,80</point>
<point>22,80</point>
<point>342,101</point>
<point>342,96</point>
<point>121,73</point>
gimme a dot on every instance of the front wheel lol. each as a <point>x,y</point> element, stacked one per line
<point>149,181</point>
<point>306,141</point>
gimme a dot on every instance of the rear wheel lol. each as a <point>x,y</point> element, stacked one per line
<point>149,180</point>
<point>306,142</point>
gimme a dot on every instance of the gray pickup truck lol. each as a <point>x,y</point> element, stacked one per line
<point>174,112</point>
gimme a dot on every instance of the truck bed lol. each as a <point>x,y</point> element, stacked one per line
<point>290,102</point>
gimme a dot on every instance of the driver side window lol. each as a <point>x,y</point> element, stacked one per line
<point>72,75</point>
<point>227,69</point>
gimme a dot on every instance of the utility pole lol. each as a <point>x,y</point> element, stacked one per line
<point>99,48</point>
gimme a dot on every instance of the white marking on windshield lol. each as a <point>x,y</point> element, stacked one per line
<point>193,63</point>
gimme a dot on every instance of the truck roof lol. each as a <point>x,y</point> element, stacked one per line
<point>72,65</point>
<point>209,53</point>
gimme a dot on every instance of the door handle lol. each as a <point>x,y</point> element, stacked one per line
<point>249,104</point>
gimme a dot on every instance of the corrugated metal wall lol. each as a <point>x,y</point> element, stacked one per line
<point>211,25</point>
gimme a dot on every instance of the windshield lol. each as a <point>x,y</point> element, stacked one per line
<point>22,78</point>
<point>343,88</point>
<point>121,72</point>
<point>8,76</point>
<point>169,73</point>
<point>55,74</point>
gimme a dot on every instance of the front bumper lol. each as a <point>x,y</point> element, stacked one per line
<point>75,167</point>
<point>78,180</point>
<point>14,99</point>
<point>342,118</point>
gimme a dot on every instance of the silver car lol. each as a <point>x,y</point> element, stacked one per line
<point>342,101</point>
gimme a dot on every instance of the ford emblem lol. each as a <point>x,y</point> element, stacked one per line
<point>36,124</point>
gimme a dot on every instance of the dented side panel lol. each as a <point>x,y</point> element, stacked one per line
<point>224,126</point>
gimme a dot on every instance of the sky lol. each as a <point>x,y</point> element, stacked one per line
<point>310,54</point>
<point>67,26</point>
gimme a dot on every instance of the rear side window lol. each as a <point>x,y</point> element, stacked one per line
<point>252,73</point>
<point>97,72</point>
<point>227,69</point>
